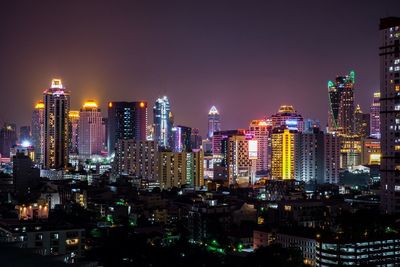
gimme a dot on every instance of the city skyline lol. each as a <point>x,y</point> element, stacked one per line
<point>238,52</point>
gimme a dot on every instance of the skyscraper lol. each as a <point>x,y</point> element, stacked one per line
<point>56,136</point>
<point>389,52</point>
<point>341,104</point>
<point>260,130</point>
<point>214,122</point>
<point>162,122</point>
<point>91,130</point>
<point>73,128</point>
<point>331,158</point>
<point>8,138</point>
<point>287,116</point>
<point>126,120</point>
<point>283,144</point>
<point>375,116</point>
<point>38,131</point>
<point>182,138</point>
<point>310,156</point>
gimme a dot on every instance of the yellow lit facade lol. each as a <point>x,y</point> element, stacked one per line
<point>90,104</point>
<point>283,154</point>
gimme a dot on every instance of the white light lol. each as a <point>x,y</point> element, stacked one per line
<point>26,143</point>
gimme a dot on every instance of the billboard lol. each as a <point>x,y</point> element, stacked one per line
<point>252,149</point>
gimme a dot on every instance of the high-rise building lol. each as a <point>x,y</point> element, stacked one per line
<point>73,130</point>
<point>375,116</point>
<point>8,138</point>
<point>361,123</point>
<point>137,158</point>
<point>214,122</point>
<point>218,138</point>
<point>163,122</point>
<point>260,130</point>
<point>91,130</point>
<point>25,176</point>
<point>182,138</point>
<point>331,158</point>
<point>287,116</point>
<point>178,169</point>
<point>310,156</point>
<point>38,131</point>
<point>389,52</point>
<point>283,144</point>
<point>126,120</point>
<point>341,104</point>
<point>25,135</point>
<point>56,134</point>
<point>371,151</point>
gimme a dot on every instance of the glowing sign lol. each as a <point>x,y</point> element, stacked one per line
<point>110,105</point>
<point>252,149</point>
<point>142,105</point>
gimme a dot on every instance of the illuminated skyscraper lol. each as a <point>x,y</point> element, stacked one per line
<point>287,116</point>
<point>182,138</point>
<point>214,122</point>
<point>283,143</point>
<point>162,122</point>
<point>390,113</point>
<point>260,130</point>
<point>38,131</point>
<point>56,136</point>
<point>310,156</point>
<point>91,130</point>
<point>126,120</point>
<point>331,158</point>
<point>375,116</point>
<point>73,128</point>
<point>8,138</point>
<point>341,104</point>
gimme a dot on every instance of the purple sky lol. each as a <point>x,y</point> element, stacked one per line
<point>245,57</point>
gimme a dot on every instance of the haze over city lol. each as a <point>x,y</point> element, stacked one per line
<point>241,56</point>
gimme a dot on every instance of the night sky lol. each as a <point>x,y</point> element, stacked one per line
<point>245,57</point>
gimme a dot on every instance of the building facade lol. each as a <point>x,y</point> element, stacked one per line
<point>375,116</point>
<point>214,122</point>
<point>91,130</point>
<point>390,113</point>
<point>38,131</point>
<point>56,134</point>
<point>162,122</point>
<point>126,120</point>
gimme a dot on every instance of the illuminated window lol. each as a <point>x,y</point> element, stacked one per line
<point>397,88</point>
<point>71,242</point>
<point>397,148</point>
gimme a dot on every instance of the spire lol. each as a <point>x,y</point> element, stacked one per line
<point>213,111</point>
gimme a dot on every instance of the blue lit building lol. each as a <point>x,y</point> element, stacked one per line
<point>163,122</point>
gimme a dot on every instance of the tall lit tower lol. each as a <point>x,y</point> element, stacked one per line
<point>91,130</point>
<point>375,116</point>
<point>57,105</point>
<point>214,122</point>
<point>287,116</point>
<point>38,131</point>
<point>260,130</point>
<point>126,120</point>
<point>341,104</point>
<point>73,127</point>
<point>283,144</point>
<point>162,121</point>
<point>390,113</point>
